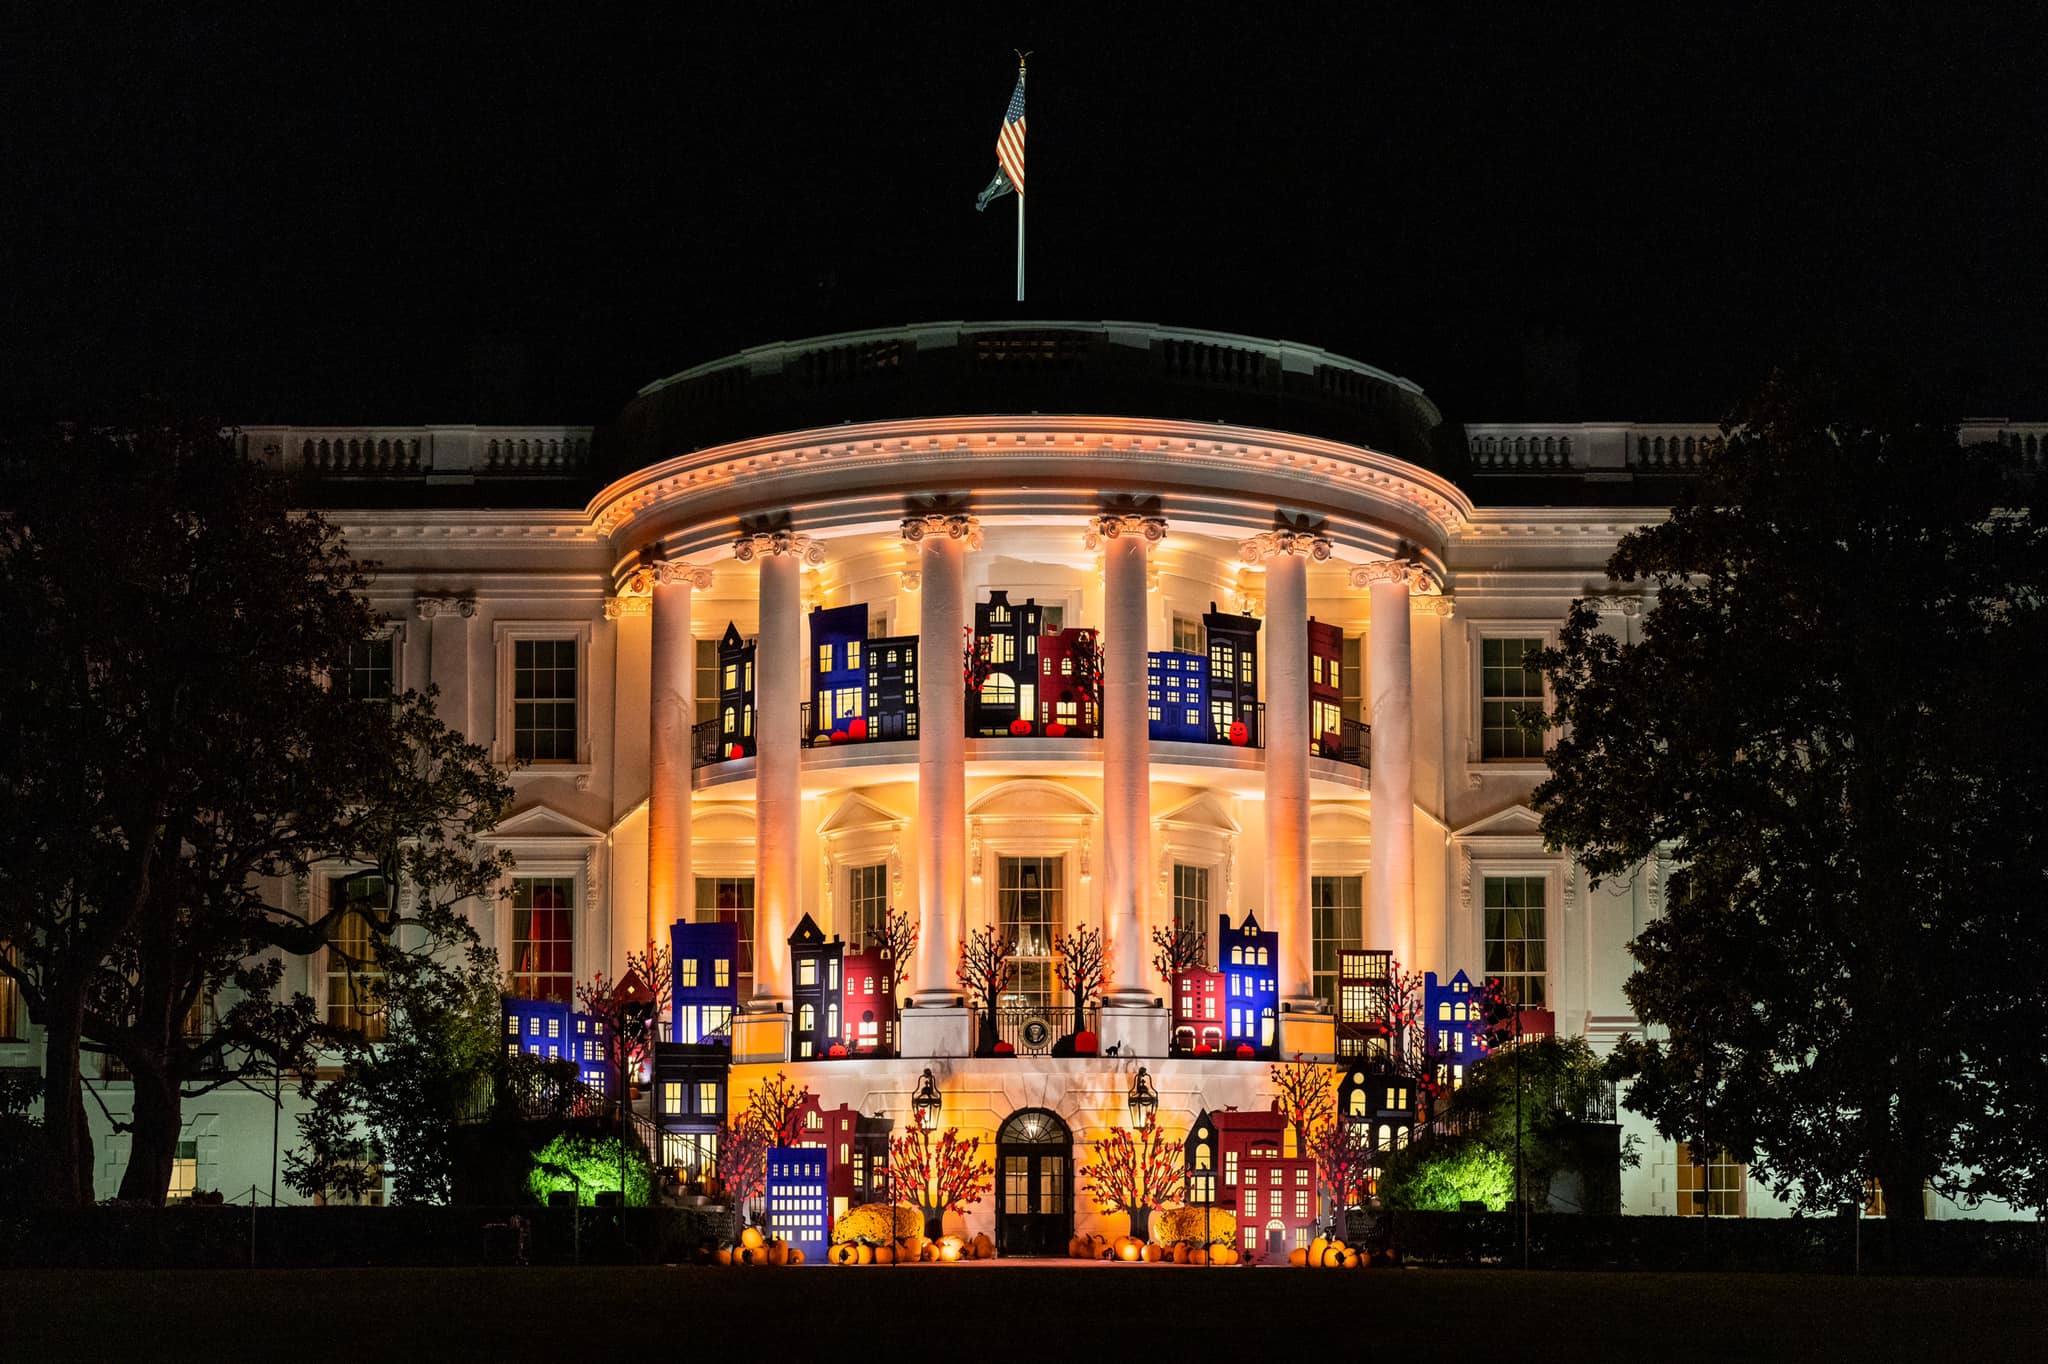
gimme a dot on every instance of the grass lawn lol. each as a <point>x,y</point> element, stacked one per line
<point>1045,1311</point>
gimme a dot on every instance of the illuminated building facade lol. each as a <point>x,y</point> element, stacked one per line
<point>1270,510</point>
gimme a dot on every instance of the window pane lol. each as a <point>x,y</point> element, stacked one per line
<point>1507,690</point>
<point>1337,923</point>
<point>543,937</point>
<point>1031,916</point>
<point>544,699</point>
<point>730,899</point>
<point>370,669</point>
<point>1515,938</point>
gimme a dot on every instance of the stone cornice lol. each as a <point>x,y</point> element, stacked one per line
<point>912,451</point>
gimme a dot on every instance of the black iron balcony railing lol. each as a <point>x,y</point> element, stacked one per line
<point>1352,745</point>
<point>1036,1031</point>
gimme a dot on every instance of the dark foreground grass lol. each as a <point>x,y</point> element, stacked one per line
<point>1041,1312</point>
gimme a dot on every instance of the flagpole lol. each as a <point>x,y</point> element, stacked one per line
<point>1020,248</point>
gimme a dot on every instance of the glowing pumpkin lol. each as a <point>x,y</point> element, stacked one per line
<point>1244,1051</point>
<point>1020,727</point>
<point>949,1249</point>
<point>1239,734</point>
<point>838,736</point>
<point>735,751</point>
<point>857,728</point>
<point>1086,1043</point>
<point>1055,730</point>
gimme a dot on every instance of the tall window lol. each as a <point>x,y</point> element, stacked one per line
<point>1515,939</point>
<point>1191,902</point>
<point>370,669</point>
<point>1188,637</point>
<point>707,679</point>
<point>544,700</point>
<point>1723,1182</point>
<point>544,937</point>
<point>10,1001</point>
<point>730,899</point>
<point>1353,689</point>
<point>355,974</point>
<point>184,1172</point>
<point>1507,690</point>
<point>867,903</point>
<point>1031,916</point>
<point>999,689</point>
<point>1337,922</point>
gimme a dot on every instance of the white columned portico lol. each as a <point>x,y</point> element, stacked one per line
<point>1390,908</point>
<point>671,709</point>
<point>778,751</point>
<point>1129,1019</point>
<point>938,1022</point>
<point>1286,555</point>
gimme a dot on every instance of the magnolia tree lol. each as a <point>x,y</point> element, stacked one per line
<point>984,973</point>
<point>1134,1172</point>
<point>939,1172</point>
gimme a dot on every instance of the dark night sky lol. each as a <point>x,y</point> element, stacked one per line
<point>520,215</point>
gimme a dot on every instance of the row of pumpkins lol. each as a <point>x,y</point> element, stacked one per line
<point>914,1250</point>
<point>754,1249</point>
<point>1096,1246</point>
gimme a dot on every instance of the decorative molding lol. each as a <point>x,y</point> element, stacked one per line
<point>615,607</point>
<point>1274,543</point>
<point>954,526</point>
<point>1625,604</point>
<point>1465,882</point>
<point>431,604</point>
<point>1441,606</point>
<point>1404,571</point>
<point>1118,525</point>
<point>777,542</point>
<point>911,579</point>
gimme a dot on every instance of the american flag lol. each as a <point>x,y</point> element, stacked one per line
<point>1010,140</point>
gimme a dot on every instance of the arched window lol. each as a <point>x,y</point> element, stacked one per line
<point>806,1017</point>
<point>999,689</point>
<point>1358,1103</point>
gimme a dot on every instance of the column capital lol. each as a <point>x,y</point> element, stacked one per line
<point>950,525</point>
<point>615,607</point>
<point>666,573</point>
<point>770,544</point>
<point>1121,525</point>
<point>1625,604</point>
<point>431,604</point>
<point>1271,544</point>
<point>1406,572</point>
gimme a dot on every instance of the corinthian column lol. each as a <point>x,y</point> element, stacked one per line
<point>1390,915</point>
<point>942,543</point>
<point>778,750</point>
<point>671,708</point>
<point>1126,749</point>
<point>1286,555</point>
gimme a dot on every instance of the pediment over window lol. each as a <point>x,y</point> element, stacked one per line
<point>1029,797</point>
<point>1517,821</point>
<point>858,812</point>
<point>543,821</point>
<point>1206,811</point>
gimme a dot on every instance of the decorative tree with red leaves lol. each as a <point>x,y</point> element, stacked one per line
<point>1345,1161</point>
<point>1081,970</point>
<point>939,1172</point>
<point>1303,1090</point>
<point>1134,1172</point>
<point>1407,1029</point>
<point>899,935</point>
<point>629,1007</point>
<point>1177,948</point>
<point>984,972</point>
<point>975,659</point>
<point>771,1118</point>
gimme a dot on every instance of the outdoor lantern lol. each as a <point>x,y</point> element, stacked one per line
<point>1143,1099</point>
<point>926,1103</point>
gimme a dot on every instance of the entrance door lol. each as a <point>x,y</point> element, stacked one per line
<point>1034,1184</point>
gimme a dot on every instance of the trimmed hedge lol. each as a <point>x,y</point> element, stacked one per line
<point>1762,1244</point>
<point>325,1238</point>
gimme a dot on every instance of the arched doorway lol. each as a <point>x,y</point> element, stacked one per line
<point>1034,1184</point>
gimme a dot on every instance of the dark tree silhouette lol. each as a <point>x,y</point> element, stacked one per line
<point>984,973</point>
<point>899,935</point>
<point>1817,731</point>
<point>1303,1090</point>
<point>1081,970</point>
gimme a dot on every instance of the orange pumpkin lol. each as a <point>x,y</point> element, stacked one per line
<point>751,1238</point>
<point>723,1255</point>
<point>1298,1257</point>
<point>796,1255</point>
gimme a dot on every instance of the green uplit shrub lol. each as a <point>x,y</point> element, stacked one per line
<point>586,1166</point>
<point>1444,1175</point>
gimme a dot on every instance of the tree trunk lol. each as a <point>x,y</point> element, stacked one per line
<point>934,1224</point>
<point>66,1134</point>
<point>1141,1223</point>
<point>1902,1196</point>
<point>159,1117</point>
